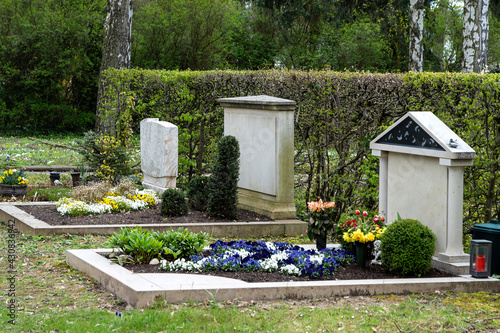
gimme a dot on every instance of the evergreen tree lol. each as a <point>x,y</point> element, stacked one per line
<point>223,185</point>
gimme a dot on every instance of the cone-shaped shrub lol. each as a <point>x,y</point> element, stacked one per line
<point>223,185</point>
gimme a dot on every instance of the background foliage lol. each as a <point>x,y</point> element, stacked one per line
<point>337,115</point>
<point>50,50</point>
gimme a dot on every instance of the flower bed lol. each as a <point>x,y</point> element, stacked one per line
<point>264,256</point>
<point>109,204</point>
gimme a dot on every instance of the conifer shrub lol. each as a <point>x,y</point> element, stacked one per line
<point>173,203</point>
<point>223,186</point>
<point>197,193</point>
<point>407,246</point>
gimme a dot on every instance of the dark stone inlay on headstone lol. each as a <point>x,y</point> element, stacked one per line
<point>409,133</point>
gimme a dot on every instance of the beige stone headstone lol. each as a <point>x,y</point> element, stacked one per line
<point>421,177</point>
<point>263,126</point>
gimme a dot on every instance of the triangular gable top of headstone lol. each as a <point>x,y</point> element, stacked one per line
<point>422,133</point>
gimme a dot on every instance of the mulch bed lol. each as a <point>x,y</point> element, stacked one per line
<point>50,215</point>
<point>351,272</point>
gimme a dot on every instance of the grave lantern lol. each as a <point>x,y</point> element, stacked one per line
<point>480,258</point>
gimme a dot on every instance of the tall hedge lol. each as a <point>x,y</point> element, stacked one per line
<point>336,117</point>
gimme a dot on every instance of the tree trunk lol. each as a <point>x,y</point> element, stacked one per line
<point>416,35</point>
<point>475,35</point>
<point>116,51</point>
<point>483,57</point>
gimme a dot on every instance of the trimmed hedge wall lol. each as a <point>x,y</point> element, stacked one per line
<point>337,115</point>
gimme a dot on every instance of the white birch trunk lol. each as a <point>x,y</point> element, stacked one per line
<point>416,36</point>
<point>475,36</point>
<point>483,58</point>
<point>116,53</point>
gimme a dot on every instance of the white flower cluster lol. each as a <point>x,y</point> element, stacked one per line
<point>69,206</point>
<point>290,270</point>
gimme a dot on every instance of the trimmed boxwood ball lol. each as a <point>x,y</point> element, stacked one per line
<point>173,203</point>
<point>197,192</point>
<point>407,246</point>
<point>223,185</point>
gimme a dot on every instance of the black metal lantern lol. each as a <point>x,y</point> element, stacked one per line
<point>480,258</point>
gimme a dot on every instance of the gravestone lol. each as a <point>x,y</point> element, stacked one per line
<point>159,149</point>
<point>263,126</point>
<point>421,177</point>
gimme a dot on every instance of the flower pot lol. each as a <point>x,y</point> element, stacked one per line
<point>13,190</point>
<point>320,242</point>
<point>361,254</point>
<point>75,176</point>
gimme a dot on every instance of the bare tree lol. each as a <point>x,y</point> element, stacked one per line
<point>116,53</point>
<point>475,36</point>
<point>416,35</point>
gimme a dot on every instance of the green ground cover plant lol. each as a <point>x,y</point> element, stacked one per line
<point>51,297</point>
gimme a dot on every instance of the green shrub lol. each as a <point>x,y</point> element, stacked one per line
<point>173,203</point>
<point>140,246</point>
<point>223,187</point>
<point>197,192</point>
<point>407,246</point>
<point>106,155</point>
<point>182,243</point>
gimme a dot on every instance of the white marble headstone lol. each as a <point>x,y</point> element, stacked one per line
<point>159,154</point>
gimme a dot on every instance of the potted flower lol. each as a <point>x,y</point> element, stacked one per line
<point>363,231</point>
<point>320,221</point>
<point>13,182</point>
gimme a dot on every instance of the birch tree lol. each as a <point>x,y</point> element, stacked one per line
<point>116,53</point>
<point>475,36</point>
<point>416,35</point>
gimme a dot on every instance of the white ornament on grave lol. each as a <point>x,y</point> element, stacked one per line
<point>159,150</point>
<point>377,253</point>
<point>421,177</point>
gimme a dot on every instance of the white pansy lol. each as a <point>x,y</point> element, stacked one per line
<point>290,270</point>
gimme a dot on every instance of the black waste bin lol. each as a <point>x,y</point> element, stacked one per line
<point>490,231</point>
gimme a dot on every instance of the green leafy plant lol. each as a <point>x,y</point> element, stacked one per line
<point>223,187</point>
<point>140,246</point>
<point>173,203</point>
<point>197,192</point>
<point>407,246</point>
<point>106,155</point>
<point>182,243</point>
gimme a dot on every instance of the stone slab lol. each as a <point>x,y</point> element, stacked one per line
<point>159,153</point>
<point>28,224</point>
<point>140,290</point>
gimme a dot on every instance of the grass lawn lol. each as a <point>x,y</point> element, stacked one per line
<point>50,296</point>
